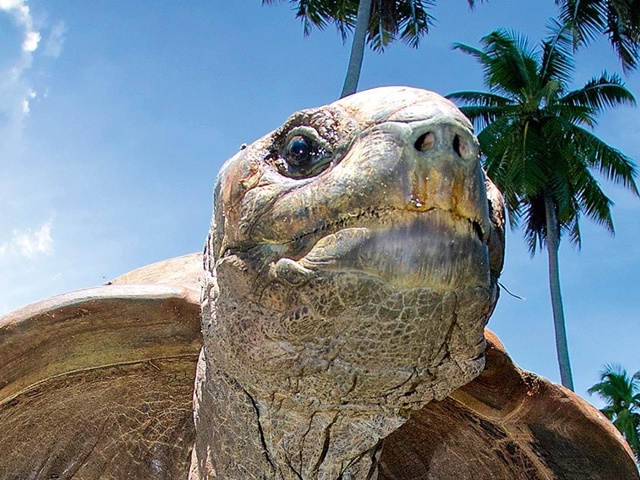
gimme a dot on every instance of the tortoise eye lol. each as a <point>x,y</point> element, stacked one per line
<point>299,151</point>
<point>303,156</point>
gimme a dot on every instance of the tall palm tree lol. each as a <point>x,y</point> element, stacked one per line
<point>619,20</point>
<point>376,22</point>
<point>622,395</point>
<point>540,149</point>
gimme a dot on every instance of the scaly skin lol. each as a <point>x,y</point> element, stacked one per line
<point>346,288</point>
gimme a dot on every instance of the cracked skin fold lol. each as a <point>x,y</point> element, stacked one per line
<point>98,383</point>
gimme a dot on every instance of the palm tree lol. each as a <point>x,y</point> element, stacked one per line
<point>377,22</point>
<point>619,20</point>
<point>539,147</point>
<point>622,395</point>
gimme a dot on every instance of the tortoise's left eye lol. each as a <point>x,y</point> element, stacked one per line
<point>299,151</point>
<point>303,157</point>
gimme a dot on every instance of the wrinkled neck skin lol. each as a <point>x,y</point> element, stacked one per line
<point>337,303</point>
<point>363,359</point>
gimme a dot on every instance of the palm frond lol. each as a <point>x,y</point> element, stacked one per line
<point>557,59</point>
<point>615,385</point>
<point>575,236</point>
<point>535,232</point>
<point>344,14</point>
<point>482,108</point>
<point>313,14</point>
<point>600,93</point>
<point>575,114</point>
<point>479,55</point>
<point>513,66</point>
<point>623,29</point>
<point>612,163</point>
<point>320,14</point>
<point>618,20</point>
<point>480,98</point>
<point>507,63</point>
<point>407,20</point>
<point>417,22</point>
<point>586,20</point>
<point>591,199</point>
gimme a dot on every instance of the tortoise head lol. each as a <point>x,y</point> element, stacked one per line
<point>353,258</point>
<point>387,182</point>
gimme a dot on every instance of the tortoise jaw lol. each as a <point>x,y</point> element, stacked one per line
<point>431,249</point>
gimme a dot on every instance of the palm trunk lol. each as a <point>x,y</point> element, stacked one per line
<point>553,243</point>
<point>357,48</point>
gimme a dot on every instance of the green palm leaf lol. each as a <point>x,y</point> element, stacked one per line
<point>622,397</point>
<point>599,94</point>
<point>482,108</point>
<point>619,20</point>
<point>480,98</point>
<point>557,62</point>
<point>612,163</point>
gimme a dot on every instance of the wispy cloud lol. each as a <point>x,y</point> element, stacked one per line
<point>28,243</point>
<point>17,89</point>
<point>15,92</point>
<point>55,41</point>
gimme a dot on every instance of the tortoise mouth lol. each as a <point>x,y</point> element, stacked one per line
<point>433,248</point>
<point>381,218</point>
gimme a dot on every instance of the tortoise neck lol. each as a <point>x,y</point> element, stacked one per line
<point>240,435</point>
<point>304,381</point>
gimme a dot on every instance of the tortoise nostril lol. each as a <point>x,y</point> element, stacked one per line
<point>425,142</point>
<point>459,146</point>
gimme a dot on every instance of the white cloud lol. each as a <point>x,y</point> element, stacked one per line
<point>28,243</point>
<point>31,41</point>
<point>10,4</point>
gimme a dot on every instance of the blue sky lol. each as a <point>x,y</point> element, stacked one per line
<point>115,117</point>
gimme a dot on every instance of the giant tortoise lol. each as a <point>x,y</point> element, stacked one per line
<point>336,331</point>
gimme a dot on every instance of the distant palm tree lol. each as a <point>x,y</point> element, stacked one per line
<point>622,395</point>
<point>539,148</point>
<point>378,22</point>
<point>619,20</point>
